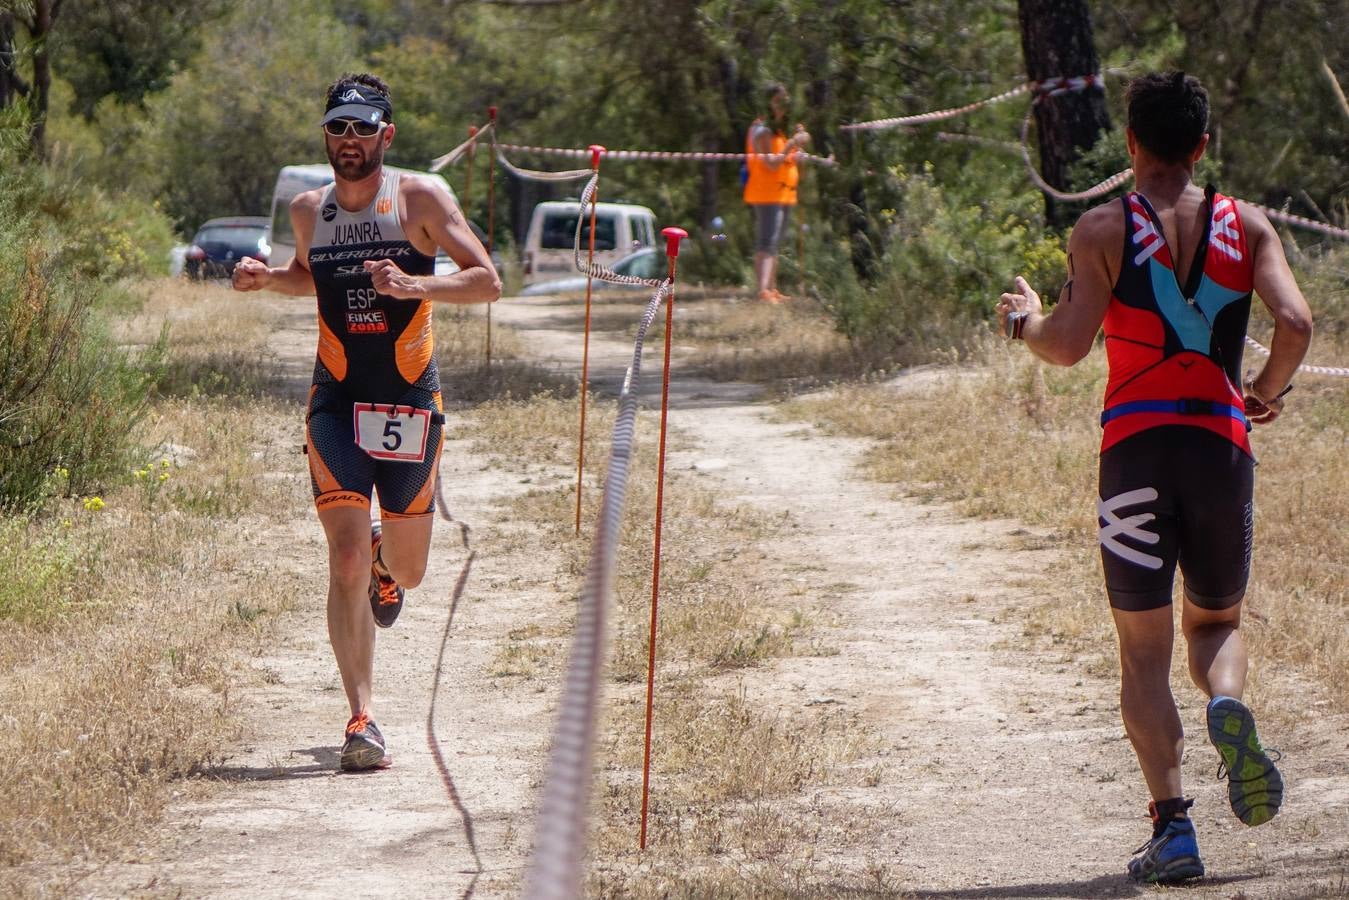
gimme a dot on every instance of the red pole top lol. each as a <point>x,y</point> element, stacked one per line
<point>492,113</point>
<point>596,151</point>
<point>673,236</point>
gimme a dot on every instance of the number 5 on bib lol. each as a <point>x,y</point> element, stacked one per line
<point>385,431</point>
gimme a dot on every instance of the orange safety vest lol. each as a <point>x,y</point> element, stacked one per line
<point>765,184</point>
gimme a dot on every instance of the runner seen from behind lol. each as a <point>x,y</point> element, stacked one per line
<point>1169,271</point>
<point>366,245</point>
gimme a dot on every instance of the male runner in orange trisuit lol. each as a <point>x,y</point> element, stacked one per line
<point>366,246</point>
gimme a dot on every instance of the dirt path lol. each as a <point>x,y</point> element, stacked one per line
<point>1003,767</point>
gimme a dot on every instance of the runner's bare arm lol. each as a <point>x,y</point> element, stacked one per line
<point>294,278</point>
<point>1277,289</point>
<point>1065,335</point>
<point>433,220</point>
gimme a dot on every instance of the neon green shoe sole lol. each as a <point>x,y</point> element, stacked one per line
<point>1254,785</point>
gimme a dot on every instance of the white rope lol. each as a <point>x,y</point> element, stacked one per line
<point>1097,190</point>
<point>454,155</point>
<point>935,115</point>
<point>556,869</point>
<point>537,175</point>
<point>1303,222</point>
<point>1338,371</point>
<point>560,829</point>
<point>596,270</point>
<point>1048,87</point>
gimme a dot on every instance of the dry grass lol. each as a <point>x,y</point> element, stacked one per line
<point>724,335</point>
<point>119,667</point>
<point>467,377</point>
<point>1017,439</point>
<point>217,339</point>
<point>731,814</point>
<point>745,340</point>
<point>731,779</point>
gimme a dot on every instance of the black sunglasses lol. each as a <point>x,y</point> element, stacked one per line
<point>339,127</point>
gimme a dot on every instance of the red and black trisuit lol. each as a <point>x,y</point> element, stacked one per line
<point>1177,472</point>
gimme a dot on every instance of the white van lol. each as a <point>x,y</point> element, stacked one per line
<point>292,180</point>
<point>620,228</point>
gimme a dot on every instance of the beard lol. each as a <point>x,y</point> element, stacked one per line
<point>356,169</point>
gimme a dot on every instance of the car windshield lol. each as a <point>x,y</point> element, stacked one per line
<point>559,232</point>
<point>232,235</point>
<point>640,265</point>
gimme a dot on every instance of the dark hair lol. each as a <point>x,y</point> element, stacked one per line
<point>1168,113</point>
<point>770,90</point>
<point>361,78</point>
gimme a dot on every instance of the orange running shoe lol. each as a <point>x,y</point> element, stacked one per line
<point>386,597</point>
<point>363,747</point>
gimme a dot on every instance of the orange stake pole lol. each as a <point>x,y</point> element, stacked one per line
<point>596,151</point>
<point>672,238</point>
<point>491,218</point>
<point>800,250</point>
<point>468,173</point>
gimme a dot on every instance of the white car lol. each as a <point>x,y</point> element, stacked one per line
<point>620,229</point>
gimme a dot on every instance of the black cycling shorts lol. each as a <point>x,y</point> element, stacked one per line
<point>342,474</point>
<point>1175,495</point>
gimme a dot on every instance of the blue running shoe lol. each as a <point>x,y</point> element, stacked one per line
<point>1254,785</point>
<point>1170,857</point>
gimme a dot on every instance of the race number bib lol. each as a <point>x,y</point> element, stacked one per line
<point>385,431</point>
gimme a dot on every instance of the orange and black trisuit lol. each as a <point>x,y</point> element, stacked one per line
<point>376,372</point>
<point>1177,471</point>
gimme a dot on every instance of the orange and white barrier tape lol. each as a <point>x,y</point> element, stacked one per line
<point>659,155</point>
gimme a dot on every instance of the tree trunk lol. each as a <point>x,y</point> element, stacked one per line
<point>11,83</point>
<point>711,183</point>
<point>840,94</point>
<point>1056,40</point>
<point>39,26</point>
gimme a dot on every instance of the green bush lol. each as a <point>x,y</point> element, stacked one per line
<point>69,398</point>
<point>43,562</point>
<point>945,260</point>
<point>1322,271</point>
